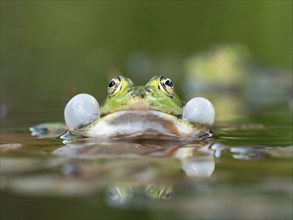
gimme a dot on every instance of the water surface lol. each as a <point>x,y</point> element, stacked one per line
<point>244,171</point>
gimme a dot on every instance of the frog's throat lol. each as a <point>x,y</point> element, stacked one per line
<point>129,122</point>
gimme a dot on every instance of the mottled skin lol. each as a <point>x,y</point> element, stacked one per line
<point>158,94</point>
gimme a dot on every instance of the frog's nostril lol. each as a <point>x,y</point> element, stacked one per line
<point>139,92</point>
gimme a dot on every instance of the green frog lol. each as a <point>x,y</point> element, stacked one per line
<point>150,111</point>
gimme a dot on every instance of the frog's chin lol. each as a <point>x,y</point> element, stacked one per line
<point>139,123</point>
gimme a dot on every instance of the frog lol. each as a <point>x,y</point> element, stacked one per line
<point>153,110</point>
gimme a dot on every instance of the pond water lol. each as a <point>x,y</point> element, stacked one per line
<point>243,172</point>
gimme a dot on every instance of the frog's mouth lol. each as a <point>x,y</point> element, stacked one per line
<point>140,104</point>
<point>134,122</point>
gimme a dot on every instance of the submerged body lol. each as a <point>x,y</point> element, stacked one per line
<point>153,110</point>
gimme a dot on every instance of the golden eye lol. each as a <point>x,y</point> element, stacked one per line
<point>114,85</point>
<point>166,84</point>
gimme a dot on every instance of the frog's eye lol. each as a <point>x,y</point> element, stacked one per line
<point>166,85</point>
<point>114,85</point>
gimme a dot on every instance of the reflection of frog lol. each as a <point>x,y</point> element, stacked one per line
<point>122,193</point>
<point>150,173</point>
<point>196,161</point>
<point>150,110</point>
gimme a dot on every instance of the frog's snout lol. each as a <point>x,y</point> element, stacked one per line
<point>139,93</point>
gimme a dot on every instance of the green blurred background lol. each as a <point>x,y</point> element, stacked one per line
<point>51,50</point>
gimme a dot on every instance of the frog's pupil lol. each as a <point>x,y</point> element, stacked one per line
<point>169,83</point>
<point>111,84</point>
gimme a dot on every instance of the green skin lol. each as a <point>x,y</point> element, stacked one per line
<point>158,94</point>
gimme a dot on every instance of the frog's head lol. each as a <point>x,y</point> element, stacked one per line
<point>158,94</point>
